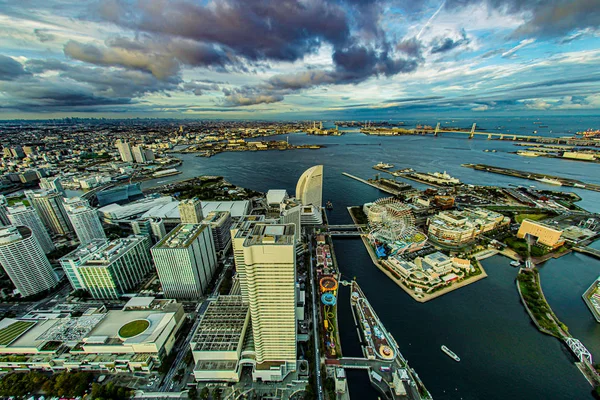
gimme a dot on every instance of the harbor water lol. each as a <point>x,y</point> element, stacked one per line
<point>502,353</point>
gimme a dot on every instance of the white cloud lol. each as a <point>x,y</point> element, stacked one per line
<point>523,43</point>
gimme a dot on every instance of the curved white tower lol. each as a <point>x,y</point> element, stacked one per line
<point>309,189</point>
<point>27,216</point>
<point>24,261</point>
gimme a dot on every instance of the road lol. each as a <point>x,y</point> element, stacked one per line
<point>315,321</point>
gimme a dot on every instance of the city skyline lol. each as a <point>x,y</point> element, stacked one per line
<point>270,60</point>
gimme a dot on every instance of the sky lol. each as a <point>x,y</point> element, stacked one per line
<point>298,59</point>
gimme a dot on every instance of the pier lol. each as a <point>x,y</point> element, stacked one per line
<point>534,176</point>
<point>377,185</point>
<point>588,250</point>
<point>388,370</point>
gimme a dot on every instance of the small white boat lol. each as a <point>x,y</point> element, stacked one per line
<point>515,263</point>
<point>450,353</point>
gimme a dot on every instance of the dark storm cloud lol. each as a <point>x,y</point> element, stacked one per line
<point>545,18</point>
<point>10,69</point>
<point>412,47</point>
<point>42,95</point>
<point>443,45</point>
<point>254,29</point>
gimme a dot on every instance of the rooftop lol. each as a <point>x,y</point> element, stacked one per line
<point>182,236</point>
<point>275,234</point>
<point>222,325</point>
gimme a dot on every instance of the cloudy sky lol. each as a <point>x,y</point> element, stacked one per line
<point>298,58</point>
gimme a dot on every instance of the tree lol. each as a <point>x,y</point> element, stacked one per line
<point>204,393</point>
<point>110,391</point>
<point>216,393</point>
<point>193,393</point>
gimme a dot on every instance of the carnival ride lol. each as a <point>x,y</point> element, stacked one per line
<point>392,227</point>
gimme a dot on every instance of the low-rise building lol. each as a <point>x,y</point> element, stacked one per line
<point>544,234</point>
<point>134,339</point>
<point>458,227</point>
<point>217,345</point>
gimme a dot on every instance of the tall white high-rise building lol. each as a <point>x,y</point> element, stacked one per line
<point>86,223</point>
<point>186,261</point>
<point>24,261</point>
<point>220,224</point>
<point>124,150</point>
<point>309,189</point>
<point>270,264</point>
<point>27,216</point>
<point>75,202</point>
<point>50,207</point>
<point>238,235</point>
<point>190,211</point>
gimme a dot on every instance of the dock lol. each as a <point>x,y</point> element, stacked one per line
<point>534,176</point>
<point>388,370</point>
<point>376,185</point>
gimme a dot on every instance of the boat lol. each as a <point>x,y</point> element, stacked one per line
<point>450,353</point>
<point>549,181</point>
<point>329,205</point>
<point>515,263</point>
<point>383,165</point>
<point>528,153</point>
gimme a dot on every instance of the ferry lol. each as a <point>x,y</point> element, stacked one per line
<point>515,263</point>
<point>450,353</point>
<point>383,165</point>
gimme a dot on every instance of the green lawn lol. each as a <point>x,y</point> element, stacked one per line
<point>534,217</point>
<point>11,332</point>
<point>133,328</point>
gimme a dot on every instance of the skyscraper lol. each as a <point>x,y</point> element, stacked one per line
<point>24,261</point>
<point>86,223</point>
<point>50,207</point>
<point>71,262</point>
<point>116,267</point>
<point>238,235</point>
<point>3,210</point>
<point>139,154</point>
<point>309,190</point>
<point>153,227</point>
<point>220,225</point>
<point>270,263</point>
<point>27,216</point>
<point>124,150</point>
<point>185,260</point>
<point>190,211</point>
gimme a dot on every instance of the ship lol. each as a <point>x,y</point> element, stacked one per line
<point>527,153</point>
<point>383,165</point>
<point>329,205</point>
<point>515,263</point>
<point>549,181</point>
<point>450,353</point>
